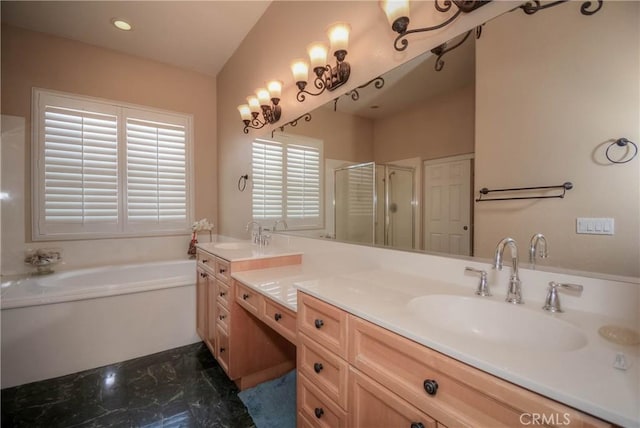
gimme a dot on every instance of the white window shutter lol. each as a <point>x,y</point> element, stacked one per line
<point>287,181</point>
<point>79,171</point>
<point>268,179</point>
<point>156,172</point>
<point>106,169</point>
<point>303,183</point>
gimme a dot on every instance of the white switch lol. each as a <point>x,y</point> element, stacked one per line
<point>595,226</point>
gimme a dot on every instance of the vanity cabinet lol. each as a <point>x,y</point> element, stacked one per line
<point>246,348</point>
<point>349,366</point>
<point>322,363</point>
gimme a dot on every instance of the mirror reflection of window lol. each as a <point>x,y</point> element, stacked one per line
<point>288,181</point>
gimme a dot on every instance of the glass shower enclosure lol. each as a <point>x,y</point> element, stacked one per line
<point>375,204</point>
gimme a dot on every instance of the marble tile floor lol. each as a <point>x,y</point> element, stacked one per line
<point>182,387</point>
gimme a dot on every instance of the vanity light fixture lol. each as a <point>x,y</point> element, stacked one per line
<point>397,12</point>
<point>265,101</point>
<point>121,24</point>
<point>326,76</point>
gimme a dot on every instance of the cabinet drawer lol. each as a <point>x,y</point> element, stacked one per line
<point>464,395</point>
<point>222,317</point>
<point>222,349</point>
<point>280,319</point>
<point>323,323</point>
<point>223,293</point>
<point>247,298</point>
<point>319,409</point>
<point>206,261</point>
<point>373,405</point>
<point>327,371</point>
<point>222,270</point>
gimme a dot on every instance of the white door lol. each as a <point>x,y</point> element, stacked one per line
<point>447,205</point>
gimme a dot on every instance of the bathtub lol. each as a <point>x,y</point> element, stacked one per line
<point>76,320</point>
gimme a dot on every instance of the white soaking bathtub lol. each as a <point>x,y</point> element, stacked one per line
<point>76,320</point>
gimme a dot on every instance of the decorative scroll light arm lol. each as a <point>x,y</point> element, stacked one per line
<point>378,83</point>
<point>442,50</point>
<point>532,7</point>
<point>401,43</point>
<point>294,122</point>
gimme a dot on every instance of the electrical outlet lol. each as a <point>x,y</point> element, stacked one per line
<point>595,226</point>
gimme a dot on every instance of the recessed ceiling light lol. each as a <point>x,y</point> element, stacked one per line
<point>121,24</point>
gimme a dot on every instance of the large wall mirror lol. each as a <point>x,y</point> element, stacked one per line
<point>536,101</point>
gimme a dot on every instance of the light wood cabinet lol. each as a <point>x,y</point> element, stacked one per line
<point>280,319</point>
<point>393,381</point>
<point>246,348</point>
<point>201,303</point>
<point>373,405</point>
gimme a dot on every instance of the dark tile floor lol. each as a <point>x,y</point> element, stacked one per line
<point>182,387</point>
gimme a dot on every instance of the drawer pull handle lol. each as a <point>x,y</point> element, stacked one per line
<point>245,296</point>
<point>204,260</point>
<point>222,317</point>
<point>222,270</point>
<point>202,274</point>
<point>222,293</point>
<point>317,367</point>
<point>417,425</point>
<point>222,350</point>
<point>319,411</point>
<point>431,386</point>
<point>319,323</point>
<point>277,316</point>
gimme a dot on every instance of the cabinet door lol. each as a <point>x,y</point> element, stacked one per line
<point>201,303</point>
<point>222,349</point>
<point>212,312</point>
<point>372,405</point>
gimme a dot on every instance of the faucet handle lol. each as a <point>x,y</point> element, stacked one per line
<point>483,285</point>
<point>552,301</point>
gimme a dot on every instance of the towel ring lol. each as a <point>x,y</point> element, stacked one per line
<point>242,182</point>
<point>622,142</point>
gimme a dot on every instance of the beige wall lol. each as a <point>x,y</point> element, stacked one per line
<point>281,35</point>
<point>31,59</point>
<point>553,89</point>
<point>345,136</point>
<point>442,127</point>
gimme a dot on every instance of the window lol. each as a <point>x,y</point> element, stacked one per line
<point>287,181</point>
<point>105,169</point>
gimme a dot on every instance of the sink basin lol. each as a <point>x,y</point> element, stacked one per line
<point>234,245</point>
<point>497,322</point>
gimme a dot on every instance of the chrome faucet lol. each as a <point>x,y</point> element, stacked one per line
<point>284,223</point>
<point>257,237</point>
<point>537,240</point>
<point>514,292</point>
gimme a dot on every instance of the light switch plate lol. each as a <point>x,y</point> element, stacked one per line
<point>595,226</point>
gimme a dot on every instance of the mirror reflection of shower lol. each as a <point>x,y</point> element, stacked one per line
<point>375,204</point>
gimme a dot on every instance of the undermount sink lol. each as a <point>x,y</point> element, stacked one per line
<point>233,245</point>
<point>497,322</point>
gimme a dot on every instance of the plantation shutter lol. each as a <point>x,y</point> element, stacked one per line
<point>268,179</point>
<point>79,169</point>
<point>303,183</point>
<point>156,172</point>
<point>287,181</point>
<point>103,169</point>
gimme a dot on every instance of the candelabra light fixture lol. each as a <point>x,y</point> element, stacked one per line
<point>265,102</point>
<point>397,12</point>
<point>327,77</point>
